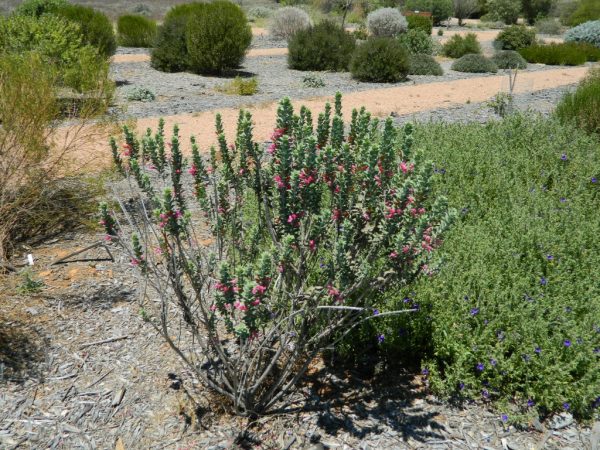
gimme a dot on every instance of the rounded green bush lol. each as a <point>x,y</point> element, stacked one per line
<point>421,64</point>
<point>458,45</point>
<point>582,106</point>
<point>569,54</point>
<point>474,63</point>
<point>509,59</point>
<point>586,10</point>
<point>217,38</point>
<point>325,46</point>
<point>380,60</point>
<point>515,37</point>
<point>36,8</point>
<point>588,32</point>
<point>136,31</point>
<point>416,22</point>
<point>417,41</point>
<point>170,52</point>
<point>96,28</point>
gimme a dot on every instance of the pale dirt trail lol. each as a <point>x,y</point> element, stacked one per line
<point>402,100</point>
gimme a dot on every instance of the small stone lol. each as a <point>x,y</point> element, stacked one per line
<point>32,311</point>
<point>561,421</point>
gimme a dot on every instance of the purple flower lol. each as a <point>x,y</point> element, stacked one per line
<point>549,257</point>
<point>485,393</point>
<point>425,371</point>
<point>563,157</point>
<point>530,403</point>
<point>597,350</point>
<point>567,343</point>
<point>504,418</point>
<point>474,311</point>
<point>562,199</point>
<point>375,312</point>
<point>538,350</point>
<point>493,362</point>
<point>380,338</point>
<point>566,406</point>
<point>594,180</point>
<point>480,367</point>
<point>543,281</point>
<point>461,385</point>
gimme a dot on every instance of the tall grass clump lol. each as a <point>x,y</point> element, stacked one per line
<point>36,8</point>
<point>582,107</point>
<point>136,31</point>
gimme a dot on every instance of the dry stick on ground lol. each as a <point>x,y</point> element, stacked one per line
<point>104,341</point>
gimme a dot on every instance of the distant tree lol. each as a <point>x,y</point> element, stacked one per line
<point>464,8</point>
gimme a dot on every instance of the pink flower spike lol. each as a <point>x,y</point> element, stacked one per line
<point>312,245</point>
<point>403,167</point>
<point>256,302</point>
<point>213,307</point>
<point>393,255</point>
<point>193,171</point>
<point>406,249</point>
<point>259,289</point>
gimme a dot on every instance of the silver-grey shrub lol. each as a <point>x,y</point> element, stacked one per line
<point>386,22</point>
<point>288,21</point>
<point>588,32</point>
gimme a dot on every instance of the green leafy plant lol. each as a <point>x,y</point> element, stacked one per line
<point>502,103</point>
<point>515,37</point>
<point>313,80</point>
<point>421,64</point>
<point>417,42</point>
<point>288,21</point>
<point>588,33</point>
<point>581,107</point>
<point>380,60</point>
<point>474,63</point>
<point>440,32</point>
<point>36,8</point>
<point>458,45</point>
<point>141,94</point>
<point>306,233</point>
<point>136,31</point>
<point>569,54</point>
<point>217,38</point>
<point>240,86</point>
<point>325,46</point>
<point>440,9</point>
<point>506,11</point>
<point>29,285</point>
<point>417,22</point>
<point>509,59</point>
<point>386,22</point>
<point>586,11</point>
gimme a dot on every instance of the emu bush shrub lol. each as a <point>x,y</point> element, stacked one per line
<point>588,32</point>
<point>582,106</point>
<point>380,60</point>
<point>458,45</point>
<point>386,22</point>
<point>136,31</point>
<point>288,21</point>
<point>217,38</point>
<point>515,37</point>
<point>417,41</point>
<point>421,64</point>
<point>509,59</point>
<point>325,46</point>
<point>416,22</point>
<point>474,63</point>
<point>569,54</point>
<point>307,232</point>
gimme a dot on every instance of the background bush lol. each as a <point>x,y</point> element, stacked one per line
<point>288,21</point>
<point>586,10</point>
<point>321,47</point>
<point>582,106</point>
<point>420,22</point>
<point>588,32</point>
<point>421,64</point>
<point>509,59</point>
<point>534,9</point>
<point>458,45</point>
<point>96,28</point>
<point>515,37</point>
<point>35,8</point>
<point>549,25</point>
<point>386,22</point>
<point>380,60</point>
<point>474,63</point>
<point>505,10</point>
<point>440,9</point>
<point>218,38</point>
<point>136,31</point>
<point>417,41</point>
<point>570,54</point>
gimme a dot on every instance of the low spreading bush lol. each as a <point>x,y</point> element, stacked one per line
<point>217,38</point>
<point>515,37</point>
<point>549,25</point>
<point>136,31</point>
<point>380,60</point>
<point>141,94</point>
<point>417,22</point>
<point>587,10</point>
<point>421,64</point>
<point>417,41</point>
<point>588,32</point>
<point>458,45</point>
<point>325,46</point>
<point>36,8</point>
<point>302,243</point>
<point>313,80</point>
<point>474,63</point>
<point>555,54</point>
<point>240,86</point>
<point>440,9</point>
<point>288,21</point>
<point>582,106</point>
<point>386,22</point>
<point>96,27</point>
<point>509,59</point>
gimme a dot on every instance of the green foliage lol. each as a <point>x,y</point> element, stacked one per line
<point>548,25</point>
<point>501,103</point>
<point>321,47</point>
<point>515,37</point>
<point>581,107</point>
<point>417,41</point>
<point>458,45</point>
<point>420,23</point>
<point>170,53</point>
<point>259,12</point>
<point>474,63</point>
<point>380,60</point>
<point>533,9</point>
<point>386,22</point>
<point>509,59</point>
<point>36,8</point>
<point>141,94</point>
<point>586,11</point>
<point>424,65</point>
<point>516,291</point>
<point>313,80</point>
<point>588,32</point>
<point>505,10</point>
<point>96,28</point>
<point>136,31</point>
<point>29,284</point>
<point>217,38</point>
<point>569,54</point>
<point>288,21</point>
<point>440,9</point>
<point>240,86</point>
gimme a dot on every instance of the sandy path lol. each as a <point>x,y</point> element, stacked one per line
<point>402,100</point>
<point>134,58</point>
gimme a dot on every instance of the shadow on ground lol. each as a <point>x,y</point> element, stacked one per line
<point>21,352</point>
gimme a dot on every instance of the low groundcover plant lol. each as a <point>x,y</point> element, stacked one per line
<point>306,232</point>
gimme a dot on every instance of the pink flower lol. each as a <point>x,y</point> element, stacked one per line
<point>256,302</point>
<point>336,215</point>
<point>193,171</point>
<point>406,249</point>
<point>312,245</point>
<point>292,218</point>
<point>366,216</point>
<point>403,167</point>
<point>240,306</point>
<point>242,171</point>
<point>178,214</point>
<point>333,292</point>
<point>108,238</point>
<point>259,289</point>
<point>135,262</point>
<point>279,181</point>
<point>427,239</point>
<point>421,210</point>
<point>393,255</point>
<point>271,148</point>
<point>213,307</point>
<point>277,133</point>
